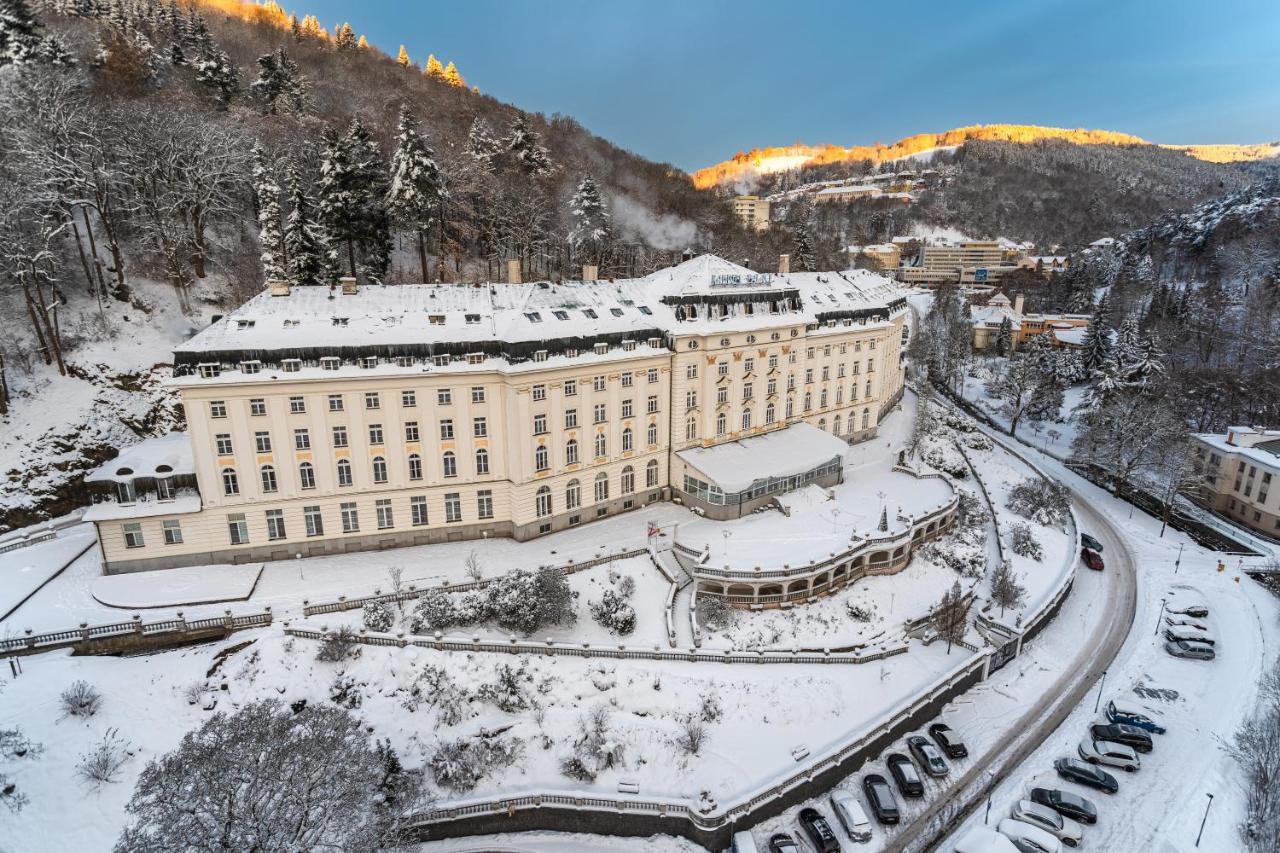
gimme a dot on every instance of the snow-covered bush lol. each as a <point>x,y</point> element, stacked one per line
<point>81,699</point>
<point>337,645</point>
<point>378,616</point>
<point>459,765</point>
<point>715,612</point>
<point>508,691</point>
<point>1041,501</point>
<point>345,691</point>
<point>1024,542</point>
<point>433,612</point>
<point>614,613</point>
<point>102,763</point>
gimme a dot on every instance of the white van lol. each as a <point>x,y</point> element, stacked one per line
<point>851,816</point>
<point>743,842</point>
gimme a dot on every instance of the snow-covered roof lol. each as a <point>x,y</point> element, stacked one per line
<point>152,457</point>
<point>735,465</point>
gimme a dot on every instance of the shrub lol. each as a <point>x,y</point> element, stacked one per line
<point>378,616</point>
<point>1024,543</point>
<point>1041,501</point>
<point>614,613</point>
<point>81,700</point>
<point>337,645</point>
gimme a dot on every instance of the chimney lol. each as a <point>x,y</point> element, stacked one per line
<point>590,272</point>
<point>1017,304</point>
<point>513,272</point>
<point>784,264</point>
<point>349,286</point>
<point>278,287</point>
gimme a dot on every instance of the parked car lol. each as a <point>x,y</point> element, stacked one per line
<point>1109,753</point>
<point>1092,559</point>
<point>950,742</point>
<point>1196,610</point>
<point>1131,736</point>
<point>1120,712</point>
<point>1066,804</point>
<point>1089,542</point>
<point>904,773</point>
<point>982,839</point>
<point>928,755</point>
<point>1190,635</point>
<point>782,842</point>
<point>1083,773</point>
<point>1062,828</point>
<point>744,842</point>
<point>852,816</point>
<point>1028,838</point>
<point>1194,651</point>
<point>880,797</point>
<point>819,831</point>
<point>1185,622</point>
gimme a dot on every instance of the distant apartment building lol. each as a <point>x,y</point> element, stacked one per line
<point>1237,472</point>
<point>1064,330</point>
<point>752,212</point>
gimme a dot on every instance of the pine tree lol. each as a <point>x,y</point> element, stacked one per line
<point>303,240</point>
<point>403,59</point>
<point>433,68</point>
<point>1004,337</point>
<point>590,220</point>
<point>19,33</point>
<point>1097,341</point>
<point>344,38</point>
<point>417,186</point>
<point>526,148</point>
<point>452,77</point>
<point>216,71</point>
<point>267,192</point>
<point>280,84</point>
<point>481,144</point>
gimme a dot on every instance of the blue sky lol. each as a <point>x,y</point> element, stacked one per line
<point>692,82</point>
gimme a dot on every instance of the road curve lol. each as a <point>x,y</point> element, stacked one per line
<point>1041,720</point>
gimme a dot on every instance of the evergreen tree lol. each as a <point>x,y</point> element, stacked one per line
<point>525,147</point>
<point>344,38</point>
<point>304,243</point>
<point>1004,337</point>
<point>403,59</point>
<point>452,77</point>
<point>433,68</point>
<point>216,71</point>
<point>1097,341</point>
<point>280,84</point>
<point>19,33</point>
<point>481,144</point>
<point>590,220</point>
<point>417,186</point>
<point>267,193</point>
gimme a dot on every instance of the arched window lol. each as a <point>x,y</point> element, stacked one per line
<point>415,466</point>
<point>628,480</point>
<point>482,461</point>
<point>571,452</point>
<point>379,469</point>
<point>722,424</point>
<point>306,476</point>
<point>769,412</point>
<point>626,440</point>
<point>572,495</point>
<point>835,426</point>
<point>808,401</point>
<point>602,487</point>
<point>691,429</point>
<point>268,478</point>
<point>651,474</point>
<point>344,472</point>
<point>449,463</point>
<point>866,418</point>
<point>651,437</point>
<point>746,419</point>
<point>542,502</point>
<point>541,460</point>
<point>602,445</point>
<point>230,482</point>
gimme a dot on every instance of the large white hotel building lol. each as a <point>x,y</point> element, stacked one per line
<point>324,420</point>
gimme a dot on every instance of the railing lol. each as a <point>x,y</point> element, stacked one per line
<point>73,636</point>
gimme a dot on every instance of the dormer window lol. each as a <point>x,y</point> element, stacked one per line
<point>250,366</point>
<point>291,365</point>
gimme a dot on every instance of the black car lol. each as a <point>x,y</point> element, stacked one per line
<point>880,798</point>
<point>1066,804</point>
<point>928,756</point>
<point>1075,770</point>
<point>1120,733</point>
<point>1089,542</point>
<point>819,831</point>
<point>948,740</point>
<point>782,842</point>
<point>904,773</point>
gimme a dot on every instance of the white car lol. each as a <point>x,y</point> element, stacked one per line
<point>1110,753</point>
<point>1188,635</point>
<point>1028,838</point>
<point>981,839</point>
<point>851,816</point>
<point>1062,828</point>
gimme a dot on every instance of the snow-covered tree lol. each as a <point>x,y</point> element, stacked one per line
<point>589,217</point>
<point>417,186</point>
<point>526,148</point>
<point>304,241</point>
<point>280,84</point>
<point>481,144</point>
<point>270,233</point>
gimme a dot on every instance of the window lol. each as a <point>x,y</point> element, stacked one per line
<point>350,518</point>
<point>172,531</point>
<point>335,403</point>
<point>572,495</point>
<point>452,507</point>
<point>257,407</point>
<point>597,383</point>
<point>371,400</point>
<point>628,480</point>
<point>275,524</point>
<point>482,461</point>
<point>599,413</point>
<point>301,439</point>
<point>379,469</point>
<point>722,424</point>
<point>408,399</point>
<point>484,503</point>
<point>571,452</point>
<point>539,393</point>
<point>268,478</point>
<point>132,535</point>
<point>344,472</point>
<point>217,409</point>
<point>602,446</point>
<point>570,387</point>
<point>297,405</point>
<point>444,396</point>
<point>571,419</point>
<point>263,441</point>
<point>690,429</point>
<point>651,474</point>
<point>415,466</point>
<point>542,502</point>
<point>306,476</point>
<point>626,408</point>
<point>652,405</point>
<point>446,429</point>
<point>339,436</point>
<point>238,529</point>
<point>449,464</point>
<point>602,487</point>
<point>651,435</point>
<point>383,509</point>
<point>691,371</point>
<point>540,458</point>
<point>477,395</point>
<point>313,521</point>
<point>653,374</point>
<point>230,483</point>
<point>627,440</point>
<point>479,427</point>
<point>411,431</point>
<point>418,510</point>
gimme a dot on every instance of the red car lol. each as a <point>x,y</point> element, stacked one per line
<point>1092,559</point>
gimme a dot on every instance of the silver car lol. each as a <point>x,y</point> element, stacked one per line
<point>1064,829</point>
<point>1109,753</point>
<point>1193,650</point>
